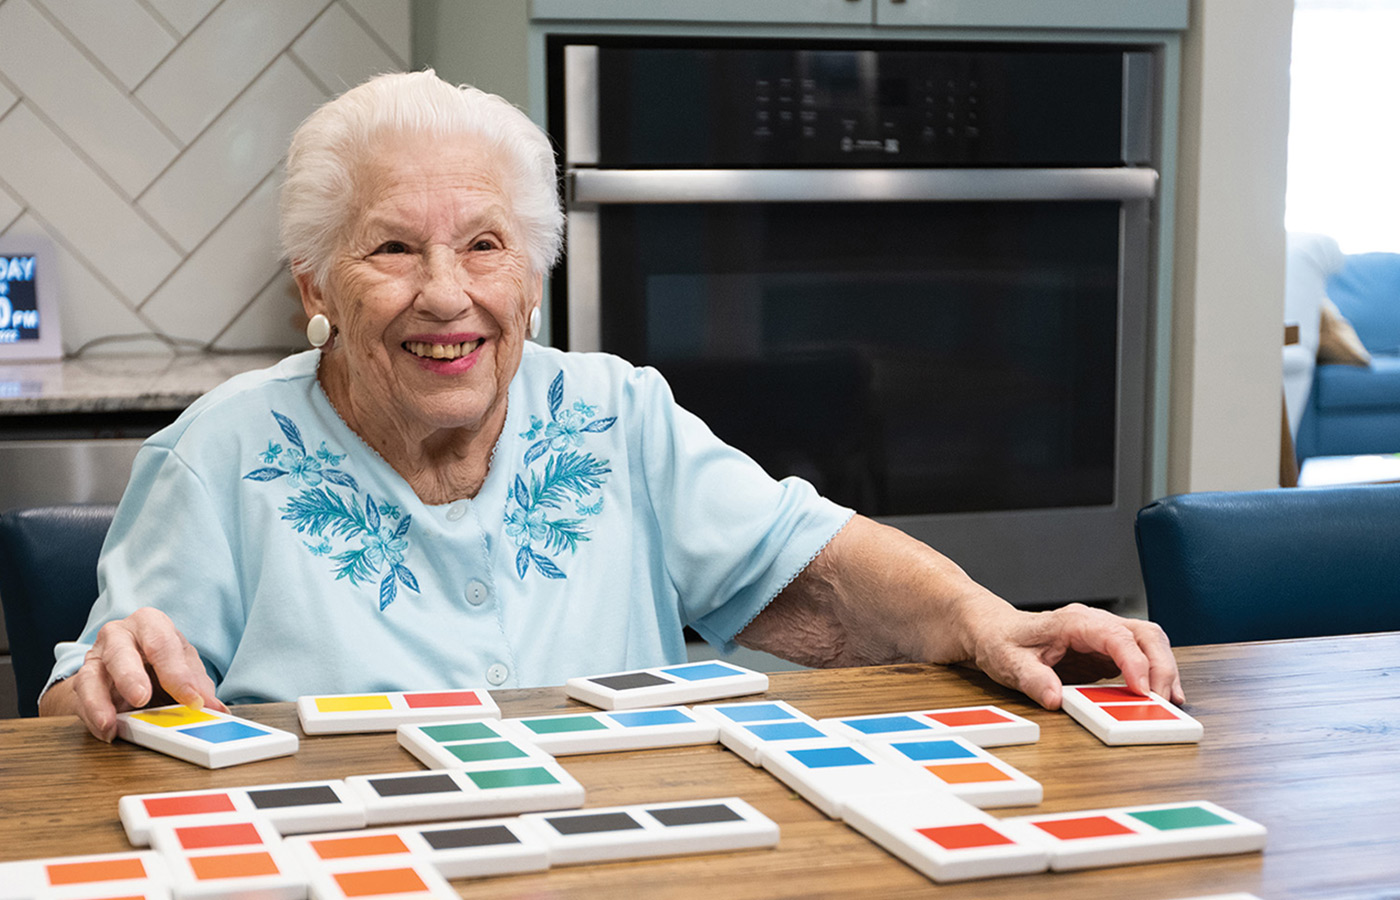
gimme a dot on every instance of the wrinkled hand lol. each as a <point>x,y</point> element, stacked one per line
<point>1032,652</point>
<point>130,659</point>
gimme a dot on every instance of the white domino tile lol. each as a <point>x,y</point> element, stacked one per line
<point>347,713</point>
<point>227,831</point>
<point>748,728</point>
<point>466,849</point>
<point>1138,834</point>
<point>471,744</point>
<point>135,870</point>
<point>944,838</point>
<point>655,829</point>
<point>292,807</point>
<point>666,685</point>
<point>505,789</point>
<point>271,872</point>
<point>602,732</point>
<point>1117,716</point>
<point>204,737</point>
<point>968,771</point>
<point>829,773</point>
<point>402,879</point>
<point>985,726</point>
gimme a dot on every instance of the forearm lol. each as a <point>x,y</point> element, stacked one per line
<point>876,595</point>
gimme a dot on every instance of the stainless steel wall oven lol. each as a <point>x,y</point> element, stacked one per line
<point>916,274</point>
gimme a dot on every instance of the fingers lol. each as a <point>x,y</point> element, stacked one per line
<point>127,654</point>
<point>1138,648</point>
<point>1165,678</point>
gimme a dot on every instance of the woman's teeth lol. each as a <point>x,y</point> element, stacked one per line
<point>441,351</point>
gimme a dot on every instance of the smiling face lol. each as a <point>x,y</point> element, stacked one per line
<point>431,293</point>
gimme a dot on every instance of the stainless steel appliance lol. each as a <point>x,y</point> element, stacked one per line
<point>916,274</point>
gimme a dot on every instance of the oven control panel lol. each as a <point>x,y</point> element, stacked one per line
<point>948,105</point>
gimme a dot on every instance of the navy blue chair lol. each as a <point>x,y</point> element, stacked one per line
<point>48,582</point>
<point>1271,564</point>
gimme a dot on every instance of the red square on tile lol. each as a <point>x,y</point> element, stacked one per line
<point>961,837</point>
<point>1140,712</point>
<point>442,698</point>
<point>962,717</point>
<point>1087,827</point>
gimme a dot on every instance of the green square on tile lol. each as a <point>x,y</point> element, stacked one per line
<point>1179,817</point>
<point>459,731</point>
<point>485,750</point>
<point>560,724</point>
<point>503,778</point>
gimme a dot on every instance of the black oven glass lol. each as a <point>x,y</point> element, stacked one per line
<point>907,358</point>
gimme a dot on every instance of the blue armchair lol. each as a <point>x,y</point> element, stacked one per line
<point>48,582</point>
<point>1354,409</point>
<point>1281,563</point>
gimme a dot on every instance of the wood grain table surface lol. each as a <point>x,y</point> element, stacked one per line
<point>1303,736</point>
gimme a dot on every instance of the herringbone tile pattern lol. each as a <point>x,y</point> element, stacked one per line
<point>144,138</point>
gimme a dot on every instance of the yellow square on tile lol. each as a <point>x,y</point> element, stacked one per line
<point>172,716</point>
<point>353,704</point>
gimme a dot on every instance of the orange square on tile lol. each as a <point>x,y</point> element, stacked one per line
<point>96,870</point>
<point>381,881</point>
<point>368,845</point>
<point>969,773</point>
<point>233,865</point>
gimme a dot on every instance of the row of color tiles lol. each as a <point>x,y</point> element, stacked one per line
<point>245,858</point>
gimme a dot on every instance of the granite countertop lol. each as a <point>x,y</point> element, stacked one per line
<point>97,384</point>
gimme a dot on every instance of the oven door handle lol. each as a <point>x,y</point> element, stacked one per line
<point>605,186</point>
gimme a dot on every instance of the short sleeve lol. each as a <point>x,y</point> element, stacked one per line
<point>167,549</point>
<point>731,537</point>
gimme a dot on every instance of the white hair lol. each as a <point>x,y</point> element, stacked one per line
<point>319,189</point>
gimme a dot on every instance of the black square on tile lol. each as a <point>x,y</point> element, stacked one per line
<point>314,795</point>
<point>630,680</point>
<point>422,784</point>
<point>617,821</point>
<point>695,815</point>
<point>456,838</point>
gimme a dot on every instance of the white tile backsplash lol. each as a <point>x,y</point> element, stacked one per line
<point>182,15</point>
<point>219,59</point>
<point>389,20</point>
<point>146,137</point>
<point>120,34</point>
<point>83,102</point>
<point>74,200</point>
<point>233,155</point>
<point>225,273</point>
<point>339,52</point>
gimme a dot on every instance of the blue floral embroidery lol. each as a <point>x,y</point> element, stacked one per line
<point>567,473</point>
<point>317,510</point>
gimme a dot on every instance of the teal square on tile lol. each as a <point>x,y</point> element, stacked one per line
<point>562,724</point>
<point>484,750</point>
<point>459,731</point>
<point>1179,817</point>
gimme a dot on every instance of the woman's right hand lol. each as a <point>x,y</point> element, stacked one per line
<point>130,659</point>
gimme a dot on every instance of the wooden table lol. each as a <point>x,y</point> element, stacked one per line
<point>1303,736</point>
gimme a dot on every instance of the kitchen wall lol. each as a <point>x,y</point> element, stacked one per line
<point>144,139</point>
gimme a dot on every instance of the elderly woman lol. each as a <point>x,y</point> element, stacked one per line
<point>428,499</point>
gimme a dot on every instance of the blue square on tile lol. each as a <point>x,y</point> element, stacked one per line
<point>886,724</point>
<point>760,712</point>
<point>651,717</point>
<point>831,757</point>
<point>925,750</point>
<point>702,671</point>
<point>784,731</point>
<point>223,732</point>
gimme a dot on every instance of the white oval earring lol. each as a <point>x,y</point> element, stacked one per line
<point>535,322</point>
<point>318,330</point>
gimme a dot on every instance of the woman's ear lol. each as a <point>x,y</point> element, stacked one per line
<point>312,300</point>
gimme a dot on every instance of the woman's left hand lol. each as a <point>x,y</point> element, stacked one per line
<point>1033,652</point>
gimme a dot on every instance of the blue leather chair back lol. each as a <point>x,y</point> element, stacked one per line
<point>1262,565</point>
<point>48,582</point>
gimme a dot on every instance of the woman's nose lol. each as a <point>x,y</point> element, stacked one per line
<point>444,292</point>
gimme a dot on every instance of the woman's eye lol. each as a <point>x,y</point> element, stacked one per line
<point>483,244</point>
<point>392,247</point>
